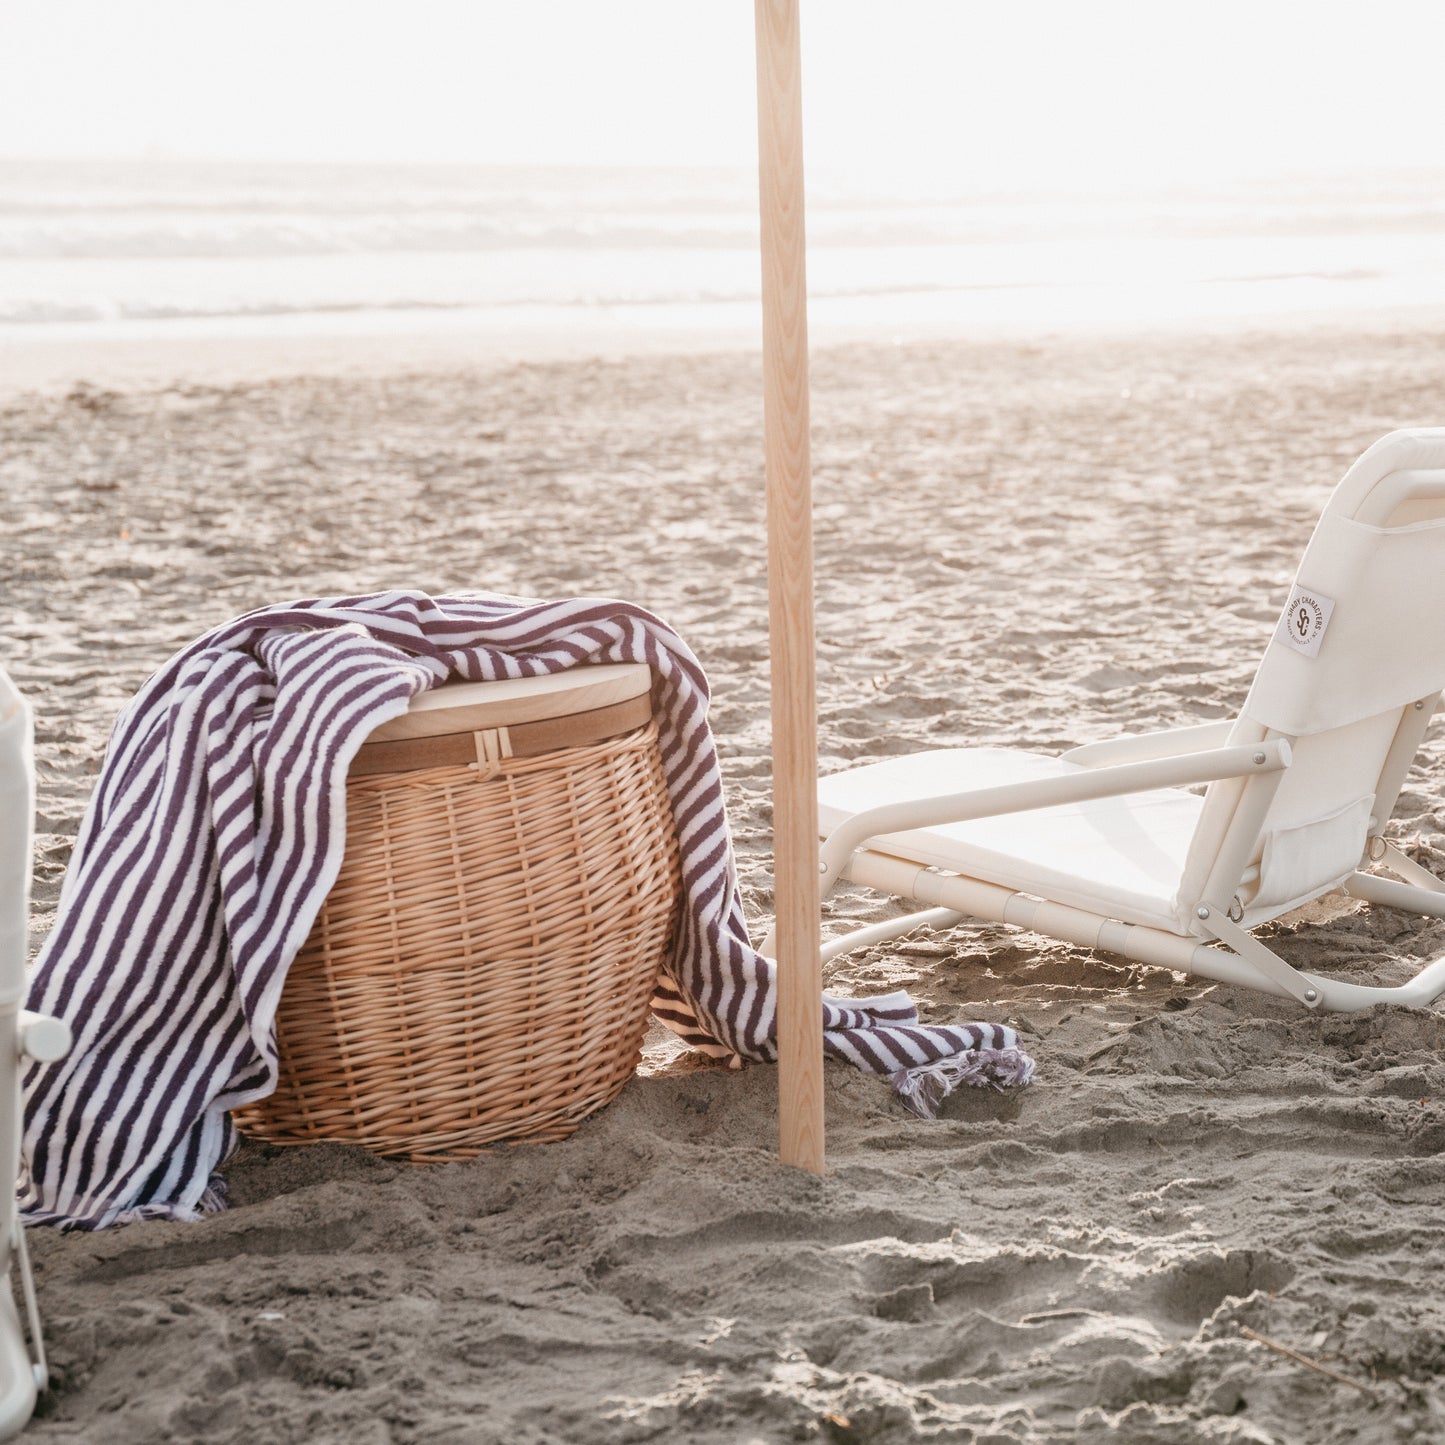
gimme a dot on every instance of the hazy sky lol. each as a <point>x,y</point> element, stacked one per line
<point>1097,92</point>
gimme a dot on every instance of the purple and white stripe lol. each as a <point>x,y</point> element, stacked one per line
<point>217,828</point>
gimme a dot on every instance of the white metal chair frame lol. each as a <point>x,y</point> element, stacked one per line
<point>1242,960</point>
<point>23,1371</point>
<point>1388,486</point>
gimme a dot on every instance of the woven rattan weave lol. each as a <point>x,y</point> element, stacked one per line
<point>482,968</point>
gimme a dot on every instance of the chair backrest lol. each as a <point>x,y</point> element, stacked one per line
<point>1350,676</point>
<point>17,807</point>
<point>22,1366</point>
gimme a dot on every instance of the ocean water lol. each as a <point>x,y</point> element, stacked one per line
<point>142,249</point>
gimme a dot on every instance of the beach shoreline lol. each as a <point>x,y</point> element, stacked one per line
<point>140,357</point>
<point>1033,540</point>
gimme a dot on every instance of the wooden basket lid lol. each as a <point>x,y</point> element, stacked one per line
<point>466,706</point>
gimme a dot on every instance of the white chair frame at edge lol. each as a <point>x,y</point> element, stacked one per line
<point>1396,489</point>
<point>23,1371</point>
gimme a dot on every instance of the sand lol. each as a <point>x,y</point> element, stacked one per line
<point>1034,544</point>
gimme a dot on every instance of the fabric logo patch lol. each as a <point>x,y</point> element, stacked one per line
<point>1306,616</point>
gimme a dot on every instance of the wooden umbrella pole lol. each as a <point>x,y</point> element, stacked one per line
<point>790,584</point>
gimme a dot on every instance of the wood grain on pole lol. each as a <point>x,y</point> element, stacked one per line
<point>790,584</point>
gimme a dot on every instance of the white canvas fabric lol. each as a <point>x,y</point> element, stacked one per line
<point>17,804</point>
<point>1301,862</point>
<point>1122,857</point>
<point>17,799</point>
<point>1383,644</point>
<point>1378,561</point>
<point>1316,822</point>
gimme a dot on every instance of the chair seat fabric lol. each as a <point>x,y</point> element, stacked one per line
<point>1121,857</point>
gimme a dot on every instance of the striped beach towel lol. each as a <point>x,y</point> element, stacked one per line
<point>216,830</point>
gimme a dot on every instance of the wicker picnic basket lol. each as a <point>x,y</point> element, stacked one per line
<point>482,967</point>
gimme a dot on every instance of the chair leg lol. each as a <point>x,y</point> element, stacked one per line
<point>890,928</point>
<point>23,1371</point>
<point>1405,867</point>
<point>21,1376</point>
<point>1412,898</point>
<point>1269,963</point>
<point>1259,968</point>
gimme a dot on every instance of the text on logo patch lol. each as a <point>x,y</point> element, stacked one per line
<point>1306,615</point>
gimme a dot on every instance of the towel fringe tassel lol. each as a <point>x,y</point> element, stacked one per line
<point>922,1090</point>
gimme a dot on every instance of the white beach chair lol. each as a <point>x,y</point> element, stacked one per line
<point>22,1034</point>
<point>1106,848</point>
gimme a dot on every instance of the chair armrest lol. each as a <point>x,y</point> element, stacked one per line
<point>1080,787</point>
<point>1141,747</point>
<point>43,1038</point>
